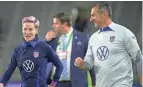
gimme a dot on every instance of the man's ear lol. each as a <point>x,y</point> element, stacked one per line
<point>66,23</point>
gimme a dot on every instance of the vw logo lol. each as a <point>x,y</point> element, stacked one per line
<point>102,53</point>
<point>28,65</point>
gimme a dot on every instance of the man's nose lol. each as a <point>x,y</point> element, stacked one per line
<point>91,19</point>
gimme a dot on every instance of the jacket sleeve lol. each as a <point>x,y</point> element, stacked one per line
<point>91,71</point>
<point>53,57</point>
<point>133,49</point>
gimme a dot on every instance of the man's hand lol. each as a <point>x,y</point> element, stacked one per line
<point>50,35</point>
<point>1,85</point>
<point>79,62</point>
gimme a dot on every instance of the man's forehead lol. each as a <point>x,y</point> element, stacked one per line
<point>56,20</point>
<point>94,9</point>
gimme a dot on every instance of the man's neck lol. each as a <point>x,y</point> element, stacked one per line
<point>107,23</point>
<point>67,30</point>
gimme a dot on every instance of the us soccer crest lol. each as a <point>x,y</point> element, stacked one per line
<point>112,38</point>
<point>36,54</point>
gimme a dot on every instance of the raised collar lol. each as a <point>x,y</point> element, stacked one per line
<point>107,28</point>
<point>32,42</point>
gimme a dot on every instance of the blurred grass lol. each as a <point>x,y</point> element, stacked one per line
<point>89,79</point>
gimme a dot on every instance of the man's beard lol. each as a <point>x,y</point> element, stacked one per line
<point>60,33</point>
<point>95,25</point>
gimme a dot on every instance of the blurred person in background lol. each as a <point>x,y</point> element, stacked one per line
<point>111,51</point>
<point>69,44</point>
<point>31,57</point>
<point>79,18</point>
<point>80,22</point>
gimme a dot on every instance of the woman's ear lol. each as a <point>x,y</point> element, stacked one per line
<point>37,30</point>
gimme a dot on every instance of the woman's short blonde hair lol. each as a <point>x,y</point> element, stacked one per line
<point>31,19</point>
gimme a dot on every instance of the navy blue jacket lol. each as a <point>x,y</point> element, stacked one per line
<point>79,48</point>
<point>31,59</point>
